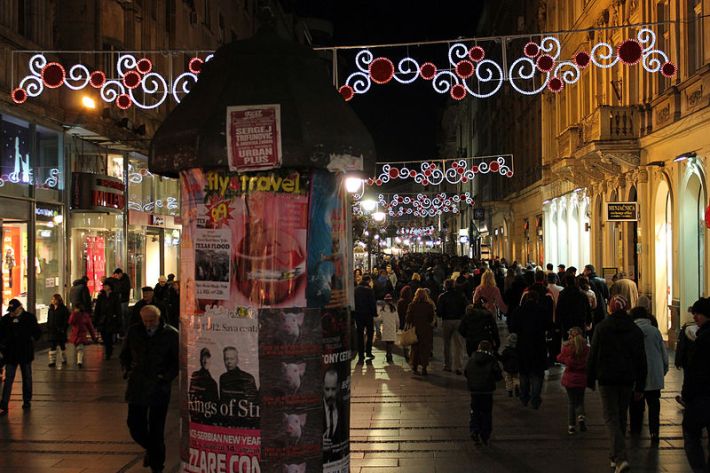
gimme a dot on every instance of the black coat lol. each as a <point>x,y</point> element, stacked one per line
<point>123,287</point>
<point>57,324</point>
<point>530,321</point>
<point>136,311</point>
<point>696,382</point>
<point>601,291</point>
<point>617,356</point>
<point>365,303</point>
<point>79,295</point>
<point>451,305</point>
<point>573,309</point>
<point>17,337</point>
<point>150,364</point>
<point>482,372</point>
<point>107,313</point>
<point>478,326</point>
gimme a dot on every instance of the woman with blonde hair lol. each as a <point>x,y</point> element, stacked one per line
<point>421,315</point>
<point>488,291</point>
<point>574,356</point>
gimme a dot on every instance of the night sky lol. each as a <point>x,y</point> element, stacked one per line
<point>403,119</point>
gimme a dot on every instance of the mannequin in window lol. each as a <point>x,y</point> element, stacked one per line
<point>10,262</point>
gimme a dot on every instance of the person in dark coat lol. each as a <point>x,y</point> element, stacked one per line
<point>479,324</point>
<point>530,321</point>
<point>160,291</point>
<point>601,291</point>
<point>421,315</point>
<point>573,308</point>
<point>123,288</point>
<point>57,325</point>
<point>451,307</point>
<point>365,313</point>
<point>482,373</point>
<point>79,294</point>
<point>107,317</point>
<point>148,299</point>
<point>18,332</point>
<point>150,363</point>
<point>203,395</point>
<point>617,361</point>
<point>173,304</point>
<point>696,389</point>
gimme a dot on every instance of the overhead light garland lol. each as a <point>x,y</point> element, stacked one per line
<point>452,171</point>
<point>136,84</point>
<point>420,205</point>
<point>470,71</point>
<point>416,231</point>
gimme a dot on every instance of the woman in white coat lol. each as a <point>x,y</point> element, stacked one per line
<point>387,316</point>
<point>657,363</point>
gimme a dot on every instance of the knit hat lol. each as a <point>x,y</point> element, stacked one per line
<point>617,303</point>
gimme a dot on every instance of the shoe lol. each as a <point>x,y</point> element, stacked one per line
<point>80,365</point>
<point>623,466</point>
<point>370,356</point>
<point>510,393</point>
<point>680,400</point>
<point>26,405</point>
<point>390,359</point>
<point>582,423</point>
<point>571,430</point>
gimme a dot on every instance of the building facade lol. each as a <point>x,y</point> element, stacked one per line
<point>76,197</point>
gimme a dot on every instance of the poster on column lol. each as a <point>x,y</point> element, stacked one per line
<point>290,364</point>
<point>223,403</point>
<point>254,137</point>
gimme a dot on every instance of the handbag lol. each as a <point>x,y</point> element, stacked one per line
<point>407,337</point>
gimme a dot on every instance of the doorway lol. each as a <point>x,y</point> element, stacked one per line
<point>663,234</point>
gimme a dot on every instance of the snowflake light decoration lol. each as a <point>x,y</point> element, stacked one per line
<point>452,171</point>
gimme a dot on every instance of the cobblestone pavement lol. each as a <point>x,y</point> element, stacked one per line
<point>400,423</point>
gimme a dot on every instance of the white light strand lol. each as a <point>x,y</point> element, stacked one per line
<point>452,171</point>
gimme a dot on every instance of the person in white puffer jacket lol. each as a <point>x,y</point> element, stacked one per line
<point>388,317</point>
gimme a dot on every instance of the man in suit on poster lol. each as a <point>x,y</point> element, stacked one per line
<point>334,417</point>
<point>238,394</point>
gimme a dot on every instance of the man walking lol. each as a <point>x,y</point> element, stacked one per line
<point>617,361</point>
<point>601,291</point>
<point>18,332</point>
<point>696,390</point>
<point>451,307</point>
<point>150,363</point>
<point>123,288</point>
<point>365,313</point>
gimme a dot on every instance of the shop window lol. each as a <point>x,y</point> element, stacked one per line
<point>14,217</point>
<point>49,241</point>
<point>150,193</point>
<point>49,166</point>
<point>136,257</point>
<point>16,171</point>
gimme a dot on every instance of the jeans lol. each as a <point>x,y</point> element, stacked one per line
<point>575,405</point>
<point>481,420</point>
<point>147,427</point>
<point>636,408</point>
<point>10,371</point>
<point>696,418</point>
<point>54,344</point>
<point>364,328</point>
<point>615,405</point>
<point>530,388</point>
<point>107,337</point>
<point>453,345</point>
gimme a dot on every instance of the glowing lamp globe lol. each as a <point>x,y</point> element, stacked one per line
<point>353,184</point>
<point>368,205</point>
<point>378,216</point>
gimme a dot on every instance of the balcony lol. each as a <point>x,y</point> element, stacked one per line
<point>612,134</point>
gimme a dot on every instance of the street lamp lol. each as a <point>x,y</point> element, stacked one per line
<point>88,102</point>
<point>368,205</point>
<point>378,216</point>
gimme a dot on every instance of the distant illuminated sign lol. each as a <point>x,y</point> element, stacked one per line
<point>622,211</point>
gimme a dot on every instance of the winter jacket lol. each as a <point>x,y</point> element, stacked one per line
<point>160,293</point>
<point>575,375</point>
<point>79,295</point>
<point>573,309</point>
<point>136,311</point>
<point>365,303</point>
<point>402,306</point>
<point>107,313</point>
<point>57,323</point>
<point>530,321</point>
<point>617,357</point>
<point>388,317</point>
<point>81,326</point>
<point>383,286</point>
<point>451,305</point>
<point>478,326</point>
<point>482,372</point>
<point>601,291</point>
<point>686,341</point>
<point>123,287</point>
<point>656,355</point>
<point>510,359</point>
<point>696,382</point>
<point>150,363</point>
<point>492,296</point>
<point>17,337</point>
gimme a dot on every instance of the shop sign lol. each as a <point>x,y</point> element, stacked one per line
<point>95,192</point>
<point>254,137</point>
<point>622,211</point>
<point>157,220</point>
<point>45,212</point>
<point>463,239</point>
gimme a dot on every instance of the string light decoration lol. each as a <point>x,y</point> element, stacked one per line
<point>452,171</point>
<point>419,205</point>
<point>136,82</point>
<point>416,231</point>
<point>470,72</point>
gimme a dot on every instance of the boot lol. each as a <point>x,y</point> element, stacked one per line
<point>52,358</point>
<point>80,357</point>
<point>64,356</point>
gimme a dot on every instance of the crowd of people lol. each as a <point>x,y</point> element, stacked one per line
<point>603,333</point>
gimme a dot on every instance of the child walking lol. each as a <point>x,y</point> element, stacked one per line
<point>81,326</point>
<point>574,356</point>
<point>387,316</point>
<point>482,373</point>
<point>511,366</point>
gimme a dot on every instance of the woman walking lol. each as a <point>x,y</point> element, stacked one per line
<point>488,291</point>
<point>57,325</point>
<point>657,367</point>
<point>387,316</point>
<point>574,356</point>
<point>421,315</point>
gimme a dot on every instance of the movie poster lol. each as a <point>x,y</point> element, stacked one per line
<point>223,404</point>
<point>213,251</point>
<point>290,354</point>
<point>327,238</point>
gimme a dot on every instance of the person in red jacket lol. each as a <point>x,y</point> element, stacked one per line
<point>574,356</point>
<point>81,326</point>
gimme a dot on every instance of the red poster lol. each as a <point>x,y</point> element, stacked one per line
<point>254,137</point>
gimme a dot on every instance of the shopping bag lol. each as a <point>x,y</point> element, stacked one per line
<point>407,337</point>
